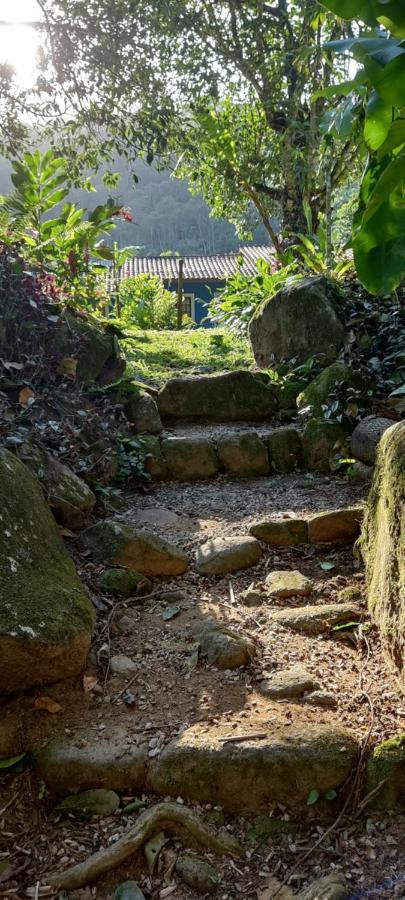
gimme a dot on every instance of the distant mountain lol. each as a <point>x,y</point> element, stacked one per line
<point>166,216</point>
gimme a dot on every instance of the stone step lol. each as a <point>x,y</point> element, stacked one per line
<point>204,452</point>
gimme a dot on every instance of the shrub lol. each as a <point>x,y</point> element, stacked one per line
<point>146,303</point>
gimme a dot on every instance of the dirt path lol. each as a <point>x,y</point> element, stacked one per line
<point>171,688</point>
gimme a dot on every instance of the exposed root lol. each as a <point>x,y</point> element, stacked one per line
<point>169,817</point>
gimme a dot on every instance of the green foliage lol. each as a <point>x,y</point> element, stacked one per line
<point>146,303</point>
<point>156,356</point>
<point>233,306</point>
<point>379,96</point>
<point>313,250</point>
<point>132,453</point>
<point>52,235</point>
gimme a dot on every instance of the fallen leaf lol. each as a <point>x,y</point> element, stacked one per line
<point>65,532</point>
<point>47,704</point>
<point>327,566</point>
<point>170,612</point>
<point>313,796</point>
<point>26,397</point>
<point>11,761</point>
<point>152,849</point>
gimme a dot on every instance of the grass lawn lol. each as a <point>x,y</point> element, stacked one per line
<point>155,356</point>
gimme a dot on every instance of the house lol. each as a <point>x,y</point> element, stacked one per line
<point>202,275</point>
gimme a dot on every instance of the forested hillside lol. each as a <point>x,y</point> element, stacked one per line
<point>166,216</point>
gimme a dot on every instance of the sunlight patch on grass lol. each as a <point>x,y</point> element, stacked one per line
<point>155,356</point>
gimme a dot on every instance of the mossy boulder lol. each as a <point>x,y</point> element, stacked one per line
<point>301,320</point>
<point>46,617</point>
<point>197,873</point>
<point>118,544</point>
<point>190,459</point>
<point>124,583</point>
<point>383,545</point>
<point>243,455</point>
<point>288,393</point>
<point>315,395</point>
<point>247,776</point>
<point>366,437</point>
<point>141,409</point>
<point>285,450</point>
<point>228,397</point>
<point>386,767</point>
<point>97,802</point>
<point>322,442</point>
<point>70,498</point>
<point>155,463</point>
<point>82,339</point>
<point>281,532</point>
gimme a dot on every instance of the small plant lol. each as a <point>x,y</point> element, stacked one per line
<point>234,305</point>
<point>132,453</point>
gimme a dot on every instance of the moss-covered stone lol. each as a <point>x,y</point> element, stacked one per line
<point>155,463</point>
<point>197,873</point>
<point>322,442</point>
<point>243,455</point>
<point>281,532</point>
<point>285,449</point>
<point>269,827</point>
<point>288,394</point>
<point>124,583</point>
<point>97,802</point>
<point>190,459</point>
<point>387,764</point>
<point>336,526</point>
<point>46,616</point>
<point>315,394</point>
<point>142,411</point>
<point>118,544</point>
<point>283,767</point>
<point>69,497</point>
<point>300,321</point>
<point>230,396</point>
<point>383,544</point>
<point>84,341</point>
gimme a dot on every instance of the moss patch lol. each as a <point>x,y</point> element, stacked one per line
<point>387,764</point>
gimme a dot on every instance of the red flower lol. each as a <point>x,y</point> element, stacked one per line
<point>124,213</point>
<point>72,262</point>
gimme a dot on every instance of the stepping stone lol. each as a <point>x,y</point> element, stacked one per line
<point>330,887</point>
<point>321,698</point>
<point>190,459</point>
<point>316,619</point>
<point>142,411</point>
<point>285,450</point>
<point>335,526</point>
<point>288,584</point>
<point>123,583</point>
<point>281,532</point>
<point>98,802</point>
<point>247,775</point>
<point>118,544</point>
<point>287,683</point>
<point>197,873</point>
<point>78,762</point>
<point>230,396</point>
<point>222,647</point>
<point>243,455</point>
<point>224,555</point>
<point>122,665</point>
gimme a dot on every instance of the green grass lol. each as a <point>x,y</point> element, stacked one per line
<point>155,356</point>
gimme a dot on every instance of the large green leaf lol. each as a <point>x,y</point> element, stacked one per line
<point>377,122</point>
<point>378,244</point>
<point>395,137</point>
<point>391,14</point>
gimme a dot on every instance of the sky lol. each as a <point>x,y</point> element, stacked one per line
<point>19,42</point>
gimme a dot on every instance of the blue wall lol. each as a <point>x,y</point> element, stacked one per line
<point>203,294</point>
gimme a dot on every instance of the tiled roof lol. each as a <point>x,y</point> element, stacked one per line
<point>198,268</point>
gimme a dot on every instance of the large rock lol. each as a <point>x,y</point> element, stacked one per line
<point>46,617</point>
<point>386,771</point>
<point>155,463</point>
<point>221,556</point>
<point>316,394</point>
<point>222,647</point>
<point>243,455</point>
<point>190,459</point>
<point>125,583</point>
<point>143,412</point>
<point>366,437</point>
<point>69,497</point>
<point>288,683</point>
<point>335,526</point>
<point>383,544</point>
<point>287,583</point>
<point>117,544</point>
<point>80,341</point>
<point>316,619</point>
<point>322,442</point>
<point>69,764</point>
<point>281,532</point>
<point>229,397</point>
<point>285,450</point>
<point>282,767</point>
<point>301,320</point>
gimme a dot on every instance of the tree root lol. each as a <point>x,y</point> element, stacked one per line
<point>169,817</point>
